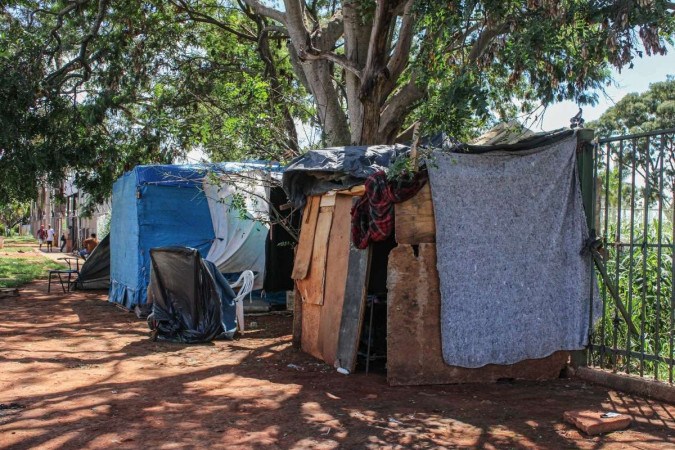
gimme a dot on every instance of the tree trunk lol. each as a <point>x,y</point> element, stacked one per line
<point>319,78</point>
<point>357,39</point>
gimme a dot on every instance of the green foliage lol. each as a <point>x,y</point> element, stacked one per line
<point>645,285</point>
<point>156,83</point>
<point>13,213</point>
<point>539,52</point>
<point>638,113</point>
<point>97,87</point>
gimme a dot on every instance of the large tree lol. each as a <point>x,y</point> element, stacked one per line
<point>112,84</point>
<point>637,113</point>
<point>12,214</point>
<point>468,58</point>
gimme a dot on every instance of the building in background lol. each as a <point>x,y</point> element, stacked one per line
<point>61,208</point>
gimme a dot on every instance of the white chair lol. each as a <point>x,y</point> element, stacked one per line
<point>245,285</point>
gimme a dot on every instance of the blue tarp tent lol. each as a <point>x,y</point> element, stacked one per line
<point>165,205</point>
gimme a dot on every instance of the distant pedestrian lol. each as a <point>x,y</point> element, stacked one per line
<point>63,242</point>
<point>41,235</point>
<point>50,238</point>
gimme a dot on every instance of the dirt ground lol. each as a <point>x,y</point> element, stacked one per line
<point>77,372</point>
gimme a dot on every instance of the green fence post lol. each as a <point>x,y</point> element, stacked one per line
<point>586,178</point>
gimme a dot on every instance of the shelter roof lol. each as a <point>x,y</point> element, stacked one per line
<point>192,174</point>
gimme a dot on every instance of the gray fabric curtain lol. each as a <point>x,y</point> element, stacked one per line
<point>510,228</point>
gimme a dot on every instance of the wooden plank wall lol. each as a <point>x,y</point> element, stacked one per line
<point>414,219</point>
<point>303,254</point>
<point>336,268</point>
<point>311,287</point>
<point>322,273</point>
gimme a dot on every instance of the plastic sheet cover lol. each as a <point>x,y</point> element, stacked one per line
<point>240,216</point>
<point>191,302</point>
<point>147,217</point>
<point>319,171</point>
<point>165,205</point>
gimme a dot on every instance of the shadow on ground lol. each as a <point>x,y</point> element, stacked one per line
<point>85,375</point>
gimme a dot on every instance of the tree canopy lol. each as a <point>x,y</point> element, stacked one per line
<point>96,86</point>
<point>12,214</point>
<point>651,110</point>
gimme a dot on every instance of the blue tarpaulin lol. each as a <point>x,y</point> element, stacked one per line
<point>160,206</point>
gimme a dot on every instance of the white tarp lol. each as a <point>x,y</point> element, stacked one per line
<point>235,203</point>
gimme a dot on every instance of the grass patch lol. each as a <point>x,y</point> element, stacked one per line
<point>20,240</point>
<point>15,272</point>
<point>15,249</point>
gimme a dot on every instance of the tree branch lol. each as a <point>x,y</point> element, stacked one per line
<point>266,11</point>
<point>327,36</point>
<point>81,59</point>
<point>397,108</point>
<point>485,38</point>
<point>400,56</point>
<point>313,55</point>
<point>197,16</point>
<point>297,67</point>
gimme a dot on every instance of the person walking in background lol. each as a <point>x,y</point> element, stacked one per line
<point>63,242</point>
<point>41,235</point>
<point>89,245</point>
<point>50,238</point>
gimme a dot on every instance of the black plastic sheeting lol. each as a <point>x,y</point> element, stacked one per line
<point>319,171</point>
<point>191,301</point>
<point>95,272</point>
<point>279,248</point>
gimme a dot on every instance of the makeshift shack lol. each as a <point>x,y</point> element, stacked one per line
<point>482,278</point>
<point>218,209</point>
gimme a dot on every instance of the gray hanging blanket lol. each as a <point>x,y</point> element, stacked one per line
<point>509,230</point>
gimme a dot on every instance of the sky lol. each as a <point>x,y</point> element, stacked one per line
<point>645,71</point>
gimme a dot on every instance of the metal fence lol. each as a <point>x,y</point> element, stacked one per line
<point>633,213</point>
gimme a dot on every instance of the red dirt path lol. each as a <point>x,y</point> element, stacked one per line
<point>86,376</point>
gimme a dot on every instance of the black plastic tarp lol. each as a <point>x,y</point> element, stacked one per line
<point>95,272</point>
<point>319,171</point>
<point>279,248</point>
<point>191,301</point>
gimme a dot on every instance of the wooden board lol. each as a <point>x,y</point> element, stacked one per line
<point>354,190</point>
<point>414,221</point>
<point>303,253</point>
<point>356,289</point>
<point>414,352</point>
<point>328,199</point>
<point>312,286</point>
<point>336,279</point>
<point>311,318</point>
<point>297,319</point>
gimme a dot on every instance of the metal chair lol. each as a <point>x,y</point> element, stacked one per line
<point>245,285</point>
<point>66,283</point>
